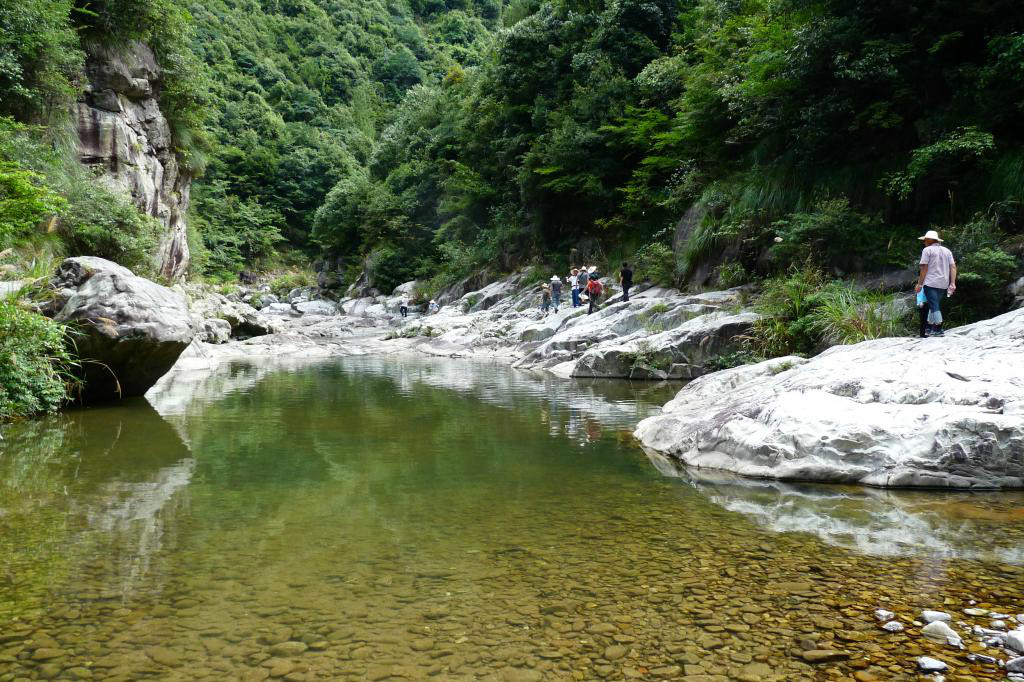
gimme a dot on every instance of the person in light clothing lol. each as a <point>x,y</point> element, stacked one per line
<point>937,277</point>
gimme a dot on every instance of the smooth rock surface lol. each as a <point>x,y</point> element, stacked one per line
<point>132,329</point>
<point>899,412</point>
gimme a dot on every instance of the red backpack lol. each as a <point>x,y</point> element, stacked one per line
<point>595,288</point>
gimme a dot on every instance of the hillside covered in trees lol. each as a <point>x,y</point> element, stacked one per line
<point>712,141</point>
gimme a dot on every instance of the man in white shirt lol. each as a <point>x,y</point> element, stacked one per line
<point>937,277</point>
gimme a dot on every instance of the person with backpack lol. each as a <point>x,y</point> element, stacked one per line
<point>625,280</point>
<point>403,308</point>
<point>594,291</point>
<point>545,298</point>
<point>556,292</point>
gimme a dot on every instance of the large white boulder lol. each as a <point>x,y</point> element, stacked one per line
<point>901,412</point>
<point>130,331</point>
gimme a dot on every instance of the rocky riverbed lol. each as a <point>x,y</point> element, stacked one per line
<point>658,334</point>
<point>418,518</point>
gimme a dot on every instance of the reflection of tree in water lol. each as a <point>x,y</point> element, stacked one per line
<point>93,491</point>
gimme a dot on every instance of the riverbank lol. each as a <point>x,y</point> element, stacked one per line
<point>897,412</point>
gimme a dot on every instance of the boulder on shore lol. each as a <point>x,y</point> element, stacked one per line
<point>898,412</point>
<point>131,330</point>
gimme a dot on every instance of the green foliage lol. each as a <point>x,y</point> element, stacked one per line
<point>40,59</point>
<point>831,234</point>
<point>300,92</point>
<point>282,284</point>
<point>39,183</point>
<point>25,202</point>
<point>733,275</point>
<point>984,266</point>
<point>235,231</point>
<point>657,263</point>
<point>35,364</point>
<point>803,313</point>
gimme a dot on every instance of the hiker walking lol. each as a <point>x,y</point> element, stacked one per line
<point>937,277</point>
<point>545,298</point>
<point>594,291</point>
<point>403,308</point>
<point>556,292</point>
<point>625,280</point>
<point>433,307</point>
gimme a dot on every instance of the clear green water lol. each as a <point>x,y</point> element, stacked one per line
<point>383,519</point>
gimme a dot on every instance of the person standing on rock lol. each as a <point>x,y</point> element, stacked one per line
<point>625,280</point>
<point>574,291</point>
<point>545,298</point>
<point>433,307</point>
<point>556,292</point>
<point>594,291</point>
<point>937,277</point>
<point>403,308</point>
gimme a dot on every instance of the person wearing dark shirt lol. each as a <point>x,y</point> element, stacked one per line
<point>625,280</point>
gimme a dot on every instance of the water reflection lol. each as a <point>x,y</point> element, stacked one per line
<point>102,483</point>
<point>937,524</point>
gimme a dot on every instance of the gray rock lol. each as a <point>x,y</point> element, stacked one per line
<point>123,134</point>
<point>215,330</point>
<point>939,631</point>
<point>931,665</point>
<point>10,288</point>
<point>132,329</point>
<point>883,615</point>
<point>1015,665</point>
<point>1015,640</point>
<point>316,308</point>
<point>893,626</point>
<point>899,412</point>
<point>936,617</point>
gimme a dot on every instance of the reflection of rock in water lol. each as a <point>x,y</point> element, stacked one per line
<point>872,521</point>
<point>581,409</point>
<point>117,475</point>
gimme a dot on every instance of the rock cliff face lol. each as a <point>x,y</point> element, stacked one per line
<point>123,134</point>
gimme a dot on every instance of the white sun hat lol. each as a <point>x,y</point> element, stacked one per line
<point>930,234</point>
<point>554,278</point>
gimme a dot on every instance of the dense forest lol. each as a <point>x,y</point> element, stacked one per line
<point>426,138</point>
<point>711,142</point>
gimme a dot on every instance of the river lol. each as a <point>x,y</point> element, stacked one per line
<point>376,518</point>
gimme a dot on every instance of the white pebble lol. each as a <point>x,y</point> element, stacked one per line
<point>883,615</point>
<point>893,626</point>
<point>931,665</point>
<point>934,616</point>
<point>941,632</point>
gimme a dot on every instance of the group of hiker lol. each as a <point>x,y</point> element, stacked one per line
<point>585,287</point>
<point>937,276</point>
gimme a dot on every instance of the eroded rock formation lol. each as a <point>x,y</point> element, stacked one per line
<point>900,412</point>
<point>123,133</point>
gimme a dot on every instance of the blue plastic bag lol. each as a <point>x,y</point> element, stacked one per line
<point>921,299</point>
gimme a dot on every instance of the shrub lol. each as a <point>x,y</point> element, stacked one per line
<point>804,313</point>
<point>281,285</point>
<point>831,234</point>
<point>733,275</point>
<point>657,263</point>
<point>35,364</point>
